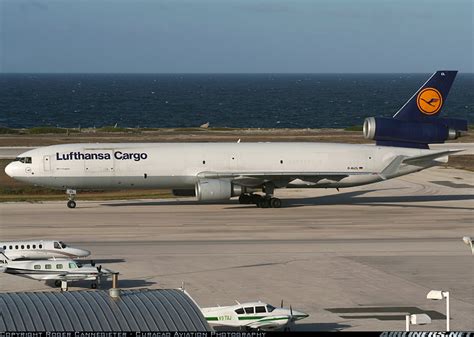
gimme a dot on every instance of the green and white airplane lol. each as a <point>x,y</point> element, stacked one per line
<point>253,316</point>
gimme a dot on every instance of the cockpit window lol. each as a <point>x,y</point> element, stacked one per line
<point>57,245</point>
<point>270,308</point>
<point>72,265</point>
<point>63,245</point>
<point>260,309</point>
<point>239,311</point>
<point>24,160</point>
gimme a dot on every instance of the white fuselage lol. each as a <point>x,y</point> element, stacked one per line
<point>180,165</point>
<point>40,249</point>
<point>43,270</point>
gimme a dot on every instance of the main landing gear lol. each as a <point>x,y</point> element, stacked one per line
<point>71,196</point>
<point>267,201</point>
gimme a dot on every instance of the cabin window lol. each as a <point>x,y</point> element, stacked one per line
<point>281,161</point>
<point>59,266</point>
<point>34,246</point>
<point>37,266</point>
<point>270,308</point>
<point>72,265</point>
<point>239,311</point>
<point>56,245</point>
<point>10,247</point>
<point>22,246</point>
<point>47,266</point>
<point>40,246</point>
<point>249,310</point>
<point>16,246</point>
<point>27,246</point>
<point>260,309</point>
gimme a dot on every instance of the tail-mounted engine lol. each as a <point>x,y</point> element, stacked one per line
<point>436,130</point>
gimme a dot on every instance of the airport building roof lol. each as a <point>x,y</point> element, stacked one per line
<point>133,310</point>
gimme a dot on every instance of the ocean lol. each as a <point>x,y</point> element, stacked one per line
<point>223,100</point>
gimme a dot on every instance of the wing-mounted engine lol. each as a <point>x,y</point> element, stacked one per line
<point>216,189</point>
<point>431,131</point>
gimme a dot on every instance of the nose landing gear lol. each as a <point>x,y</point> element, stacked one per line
<point>71,196</point>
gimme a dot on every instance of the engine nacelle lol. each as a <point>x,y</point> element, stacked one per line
<point>390,129</point>
<point>216,189</point>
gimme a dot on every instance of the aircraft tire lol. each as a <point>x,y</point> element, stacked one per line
<point>264,203</point>
<point>71,204</point>
<point>57,283</point>
<point>275,203</point>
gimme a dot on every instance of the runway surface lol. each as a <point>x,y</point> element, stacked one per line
<point>358,259</point>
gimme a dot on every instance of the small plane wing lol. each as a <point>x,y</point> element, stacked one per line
<point>270,322</point>
<point>62,277</point>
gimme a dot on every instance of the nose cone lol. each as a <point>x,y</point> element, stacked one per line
<point>81,252</point>
<point>9,170</point>
<point>297,315</point>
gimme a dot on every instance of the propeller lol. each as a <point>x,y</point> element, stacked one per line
<point>99,268</point>
<point>92,263</point>
<point>281,303</point>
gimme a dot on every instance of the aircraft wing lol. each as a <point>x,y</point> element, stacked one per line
<point>62,277</point>
<point>270,322</point>
<point>251,179</point>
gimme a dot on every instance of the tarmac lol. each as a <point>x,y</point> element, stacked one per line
<point>357,259</point>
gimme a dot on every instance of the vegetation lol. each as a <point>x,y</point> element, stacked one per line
<point>5,131</point>
<point>354,128</point>
<point>114,129</point>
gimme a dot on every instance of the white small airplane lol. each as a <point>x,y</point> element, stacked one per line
<point>253,316</point>
<point>220,171</point>
<point>41,250</point>
<point>58,270</point>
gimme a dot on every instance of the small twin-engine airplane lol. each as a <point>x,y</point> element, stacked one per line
<point>253,316</point>
<point>41,249</point>
<point>56,269</point>
<point>220,171</point>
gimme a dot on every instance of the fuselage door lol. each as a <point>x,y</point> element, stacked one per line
<point>47,163</point>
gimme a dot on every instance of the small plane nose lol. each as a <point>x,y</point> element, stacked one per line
<point>299,315</point>
<point>82,252</point>
<point>9,170</point>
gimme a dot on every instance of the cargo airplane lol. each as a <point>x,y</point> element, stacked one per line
<point>220,171</point>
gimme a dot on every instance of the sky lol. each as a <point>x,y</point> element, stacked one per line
<point>236,36</point>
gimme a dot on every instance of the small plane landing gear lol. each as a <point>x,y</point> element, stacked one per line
<point>57,283</point>
<point>93,285</point>
<point>71,196</point>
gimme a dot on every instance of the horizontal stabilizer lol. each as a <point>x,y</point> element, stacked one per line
<point>428,157</point>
